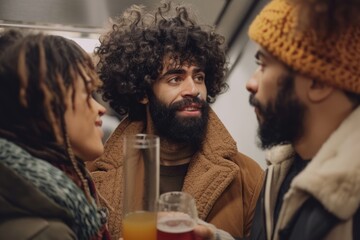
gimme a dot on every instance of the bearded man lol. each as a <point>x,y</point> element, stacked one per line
<point>306,94</point>
<point>162,71</point>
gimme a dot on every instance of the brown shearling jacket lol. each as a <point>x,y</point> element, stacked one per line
<point>224,182</point>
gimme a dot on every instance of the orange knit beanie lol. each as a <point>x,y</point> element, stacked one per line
<point>334,60</point>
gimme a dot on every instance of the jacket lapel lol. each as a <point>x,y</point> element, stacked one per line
<point>211,169</point>
<point>281,159</point>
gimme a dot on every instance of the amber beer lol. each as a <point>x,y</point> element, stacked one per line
<point>140,226</point>
<point>141,186</point>
<point>178,227</point>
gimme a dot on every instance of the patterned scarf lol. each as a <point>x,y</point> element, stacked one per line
<point>56,185</point>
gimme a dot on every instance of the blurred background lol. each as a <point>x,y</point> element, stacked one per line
<point>84,21</point>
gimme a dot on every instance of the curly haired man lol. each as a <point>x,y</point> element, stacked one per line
<point>162,71</point>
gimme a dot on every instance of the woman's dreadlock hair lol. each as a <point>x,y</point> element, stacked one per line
<point>327,17</point>
<point>36,74</point>
<point>8,37</point>
<point>131,54</point>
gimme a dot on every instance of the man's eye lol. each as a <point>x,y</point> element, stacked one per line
<point>199,78</point>
<point>260,64</point>
<point>174,80</point>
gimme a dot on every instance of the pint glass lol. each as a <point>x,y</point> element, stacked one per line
<point>141,186</point>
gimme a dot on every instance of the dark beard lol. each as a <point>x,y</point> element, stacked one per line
<point>179,129</point>
<point>283,119</point>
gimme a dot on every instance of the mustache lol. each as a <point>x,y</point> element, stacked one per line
<point>188,102</point>
<point>253,101</point>
<point>256,103</point>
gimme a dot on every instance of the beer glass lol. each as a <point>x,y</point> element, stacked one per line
<point>177,216</point>
<point>141,186</point>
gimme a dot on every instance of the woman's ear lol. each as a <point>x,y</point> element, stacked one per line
<point>319,91</point>
<point>145,100</point>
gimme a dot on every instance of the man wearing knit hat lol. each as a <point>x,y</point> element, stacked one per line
<point>306,94</point>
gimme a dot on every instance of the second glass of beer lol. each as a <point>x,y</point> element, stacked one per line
<point>141,186</point>
<point>177,216</point>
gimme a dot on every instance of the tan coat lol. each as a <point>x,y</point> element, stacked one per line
<point>224,182</point>
<point>332,177</point>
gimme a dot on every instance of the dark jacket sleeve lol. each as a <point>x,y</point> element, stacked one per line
<point>311,222</point>
<point>35,229</point>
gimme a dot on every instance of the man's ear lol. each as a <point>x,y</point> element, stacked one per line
<point>319,91</point>
<point>145,100</point>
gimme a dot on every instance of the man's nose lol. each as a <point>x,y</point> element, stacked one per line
<point>252,84</point>
<point>190,88</point>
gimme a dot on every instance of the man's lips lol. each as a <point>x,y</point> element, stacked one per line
<point>191,108</point>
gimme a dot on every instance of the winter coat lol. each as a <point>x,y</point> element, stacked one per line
<point>39,201</point>
<point>224,182</point>
<point>325,194</point>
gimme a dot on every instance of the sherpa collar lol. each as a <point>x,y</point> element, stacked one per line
<point>333,175</point>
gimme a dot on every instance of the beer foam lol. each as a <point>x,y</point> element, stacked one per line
<point>176,224</point>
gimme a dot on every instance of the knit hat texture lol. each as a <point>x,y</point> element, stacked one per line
<point>334,60</point>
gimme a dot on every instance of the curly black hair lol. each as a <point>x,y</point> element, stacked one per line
<point>131,54</point>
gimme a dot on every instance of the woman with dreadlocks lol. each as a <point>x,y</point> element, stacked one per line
<point>49,126</point>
